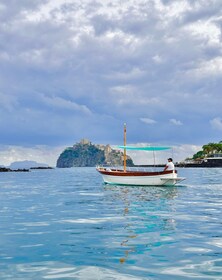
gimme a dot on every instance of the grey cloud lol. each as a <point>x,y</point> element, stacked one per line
<point>116,62</point>
<point>202,10</point>
<point>101,24</point>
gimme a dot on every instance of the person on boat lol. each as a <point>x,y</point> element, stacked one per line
<point>170,165</point>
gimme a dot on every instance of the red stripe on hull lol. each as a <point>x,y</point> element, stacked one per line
<point>132,173</point>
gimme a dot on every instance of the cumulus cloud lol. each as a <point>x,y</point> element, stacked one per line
<point>46,154</point>
<point>175,122</point>
<point>147,121</point>
<point>216,123</point>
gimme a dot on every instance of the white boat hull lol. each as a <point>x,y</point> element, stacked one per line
<point>139,178</point>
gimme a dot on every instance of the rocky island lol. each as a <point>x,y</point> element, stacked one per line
<point>86,154</point>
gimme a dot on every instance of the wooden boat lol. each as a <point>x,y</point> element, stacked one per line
<point>123,176</point>
<point>139,178</point>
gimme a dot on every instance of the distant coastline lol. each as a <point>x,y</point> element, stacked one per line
<point>6,169</point>
<point>86,154</point>
<point>206,163</point>
<point>24,166</point>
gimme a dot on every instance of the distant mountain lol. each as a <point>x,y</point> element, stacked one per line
<point>85,154</point>
<point>26,164</point>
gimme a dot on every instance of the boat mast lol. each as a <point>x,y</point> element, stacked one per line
<point>124,152</point>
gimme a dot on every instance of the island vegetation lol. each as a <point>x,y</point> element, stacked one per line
<point>208,150</point>
<point>209,156</point>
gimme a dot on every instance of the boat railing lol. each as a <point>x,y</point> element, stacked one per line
<point>129,168</point>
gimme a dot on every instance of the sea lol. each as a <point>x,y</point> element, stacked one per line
<point>66,224</point>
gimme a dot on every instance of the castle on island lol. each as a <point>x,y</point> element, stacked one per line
<point>87,154</point>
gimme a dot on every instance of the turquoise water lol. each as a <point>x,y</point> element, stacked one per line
<point>65,224</point>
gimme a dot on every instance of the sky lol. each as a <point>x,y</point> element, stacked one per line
<point>73,69</point>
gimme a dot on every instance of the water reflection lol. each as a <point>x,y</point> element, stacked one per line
<point>142,193</point>
<point>149,217</point>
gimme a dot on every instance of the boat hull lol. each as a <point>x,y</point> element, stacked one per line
<point>139,178</point>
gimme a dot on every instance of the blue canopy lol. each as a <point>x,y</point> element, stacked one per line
<point>147,148</point>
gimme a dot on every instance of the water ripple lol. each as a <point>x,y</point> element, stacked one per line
<point>65,224</point>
